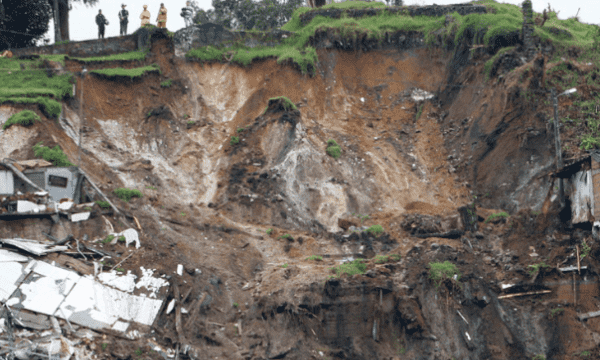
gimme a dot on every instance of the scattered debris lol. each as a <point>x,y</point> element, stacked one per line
<point>180,270</point>
<point>571,268</point>
<point>525,294</point>
<point>588,315</point>
<point>34,247</point>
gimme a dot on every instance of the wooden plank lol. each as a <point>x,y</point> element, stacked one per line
<point>588,315</point>
<point>525,294</point>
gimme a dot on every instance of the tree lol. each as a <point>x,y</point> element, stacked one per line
<point>60,12</point>
<point>248,14</point>
<point>23,22</point>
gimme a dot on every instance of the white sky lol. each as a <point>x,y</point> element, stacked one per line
<point>83,26</point>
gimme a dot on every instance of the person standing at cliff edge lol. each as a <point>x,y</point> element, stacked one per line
<point>161,20</point>
<point>123,19</point>
<point>101,21</point>
<point>145,16</point>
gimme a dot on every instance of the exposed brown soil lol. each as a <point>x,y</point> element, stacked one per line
<point>208,204</point>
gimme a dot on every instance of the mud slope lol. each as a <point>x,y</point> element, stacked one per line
<point>420,131</point>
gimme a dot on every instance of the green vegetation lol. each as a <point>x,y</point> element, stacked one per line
<point>130,73</point>
<point>235,305</point>
<point>419,112</point>
<point>286,236</point>
<point>239,130</point>
<point>30,82</point>
<point>103,204</point>
<point>496,216</point>
<point>538,357</point>
<point>585,249</point>
<point>121,238</point>
<point>375,230</point>
<point>315,258</point>
<point>536,267</point>
<point>487,69</point>
<point>585,354</point>
<point>182,213</point>
<point>191,122</point>
<point>351,268</point>
<point>361,217</point>
<point>128,56</point>
<point>287,103</point>
<point>108,239</point>
<point>440,271</point>
<point>138,352</point>
<point>284,266</point>
<point>555,312</point>
<point>269,231</point>
<point>55,155</point>
<point>333,149</point>
<point>150,187</point>
<point>104,346</point>
<point>126,194</point>
<point>234,140</point>
<point>120,269</point>
<point>382,259</point>
<point>24,118</point>
<point>166,83</point>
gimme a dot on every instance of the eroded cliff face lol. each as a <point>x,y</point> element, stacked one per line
<point>420,131</point>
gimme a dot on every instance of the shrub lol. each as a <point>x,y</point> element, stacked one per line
<point>333,149</point>
<point>269,231</point>
<point>536,267</point>
<point>126,194</point>
<point>315,258</point>
<point>235,305</point>
<point>382,259</point>
<point>103,204</point>
<point>234,140</point>
<point>286,236</point>
<point>351,268</point>
<point>108,239</point>
<point>555,312</point>
<point>585,250</point>
<point>375,230</point>
<point>121,238</point>
<point>191,122</point>
<point>496,216</point>
<point>166,83</point>
<point>440,271</point>
<point>24,118</point>
<point>284,266</point>
<point>239,130</point>
<point>55,155</point>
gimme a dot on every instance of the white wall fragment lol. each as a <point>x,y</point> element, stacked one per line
<point>80,216</point>
<point>180,270</point>
<point>24,206</point>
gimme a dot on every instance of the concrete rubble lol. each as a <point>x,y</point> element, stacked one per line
<point>35,293</point>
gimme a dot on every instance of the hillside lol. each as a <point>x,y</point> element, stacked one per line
<point>361,184</point>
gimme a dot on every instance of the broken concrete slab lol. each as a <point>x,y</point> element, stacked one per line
<point>96,306</point>
<point>80,216</point>
<point>34,247</point>
<point>9,256</point>
<point>122,282</point>
<point>11,275</point>
<point>26,207</point>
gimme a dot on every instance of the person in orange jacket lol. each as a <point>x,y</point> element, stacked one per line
<point>145,16</point>
<point>161,20</point>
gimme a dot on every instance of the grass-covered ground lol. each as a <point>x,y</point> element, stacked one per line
<point>500,21</point>
<point>130,73</point>
<point>128,56</point>
<point>24,118</point>
<point>28,82</point>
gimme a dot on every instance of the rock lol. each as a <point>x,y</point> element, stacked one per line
<point>345,222</point>
<point>479,235</point>
<point>435,246</point>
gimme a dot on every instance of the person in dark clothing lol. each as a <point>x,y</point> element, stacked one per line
<point>123,19</point>
<point>101,22</point>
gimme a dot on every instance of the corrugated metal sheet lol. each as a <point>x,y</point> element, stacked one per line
<point>582,204</point>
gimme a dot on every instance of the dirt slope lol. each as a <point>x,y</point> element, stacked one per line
<point>208,203</point>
